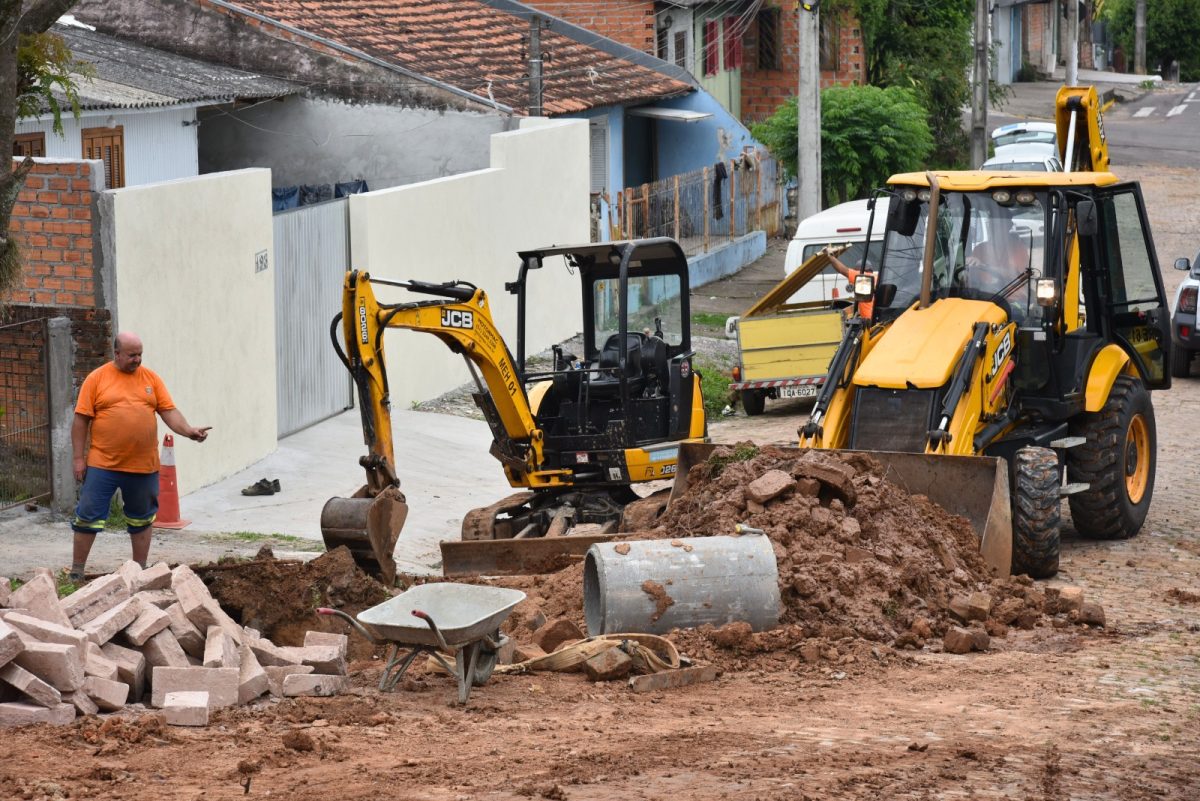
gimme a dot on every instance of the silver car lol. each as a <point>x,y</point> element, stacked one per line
<point>1185,339</point>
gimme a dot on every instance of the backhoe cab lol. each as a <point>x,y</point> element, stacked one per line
<point>575,432</point>
<point>1017,315</point>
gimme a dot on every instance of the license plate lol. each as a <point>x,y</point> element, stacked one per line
<point>799,391</point>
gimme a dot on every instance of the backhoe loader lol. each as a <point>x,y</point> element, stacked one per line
<point>575,434</point>
<point>1021,316</point>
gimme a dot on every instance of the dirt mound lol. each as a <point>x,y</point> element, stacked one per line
<point>860,560</point>
<point>279,598</point>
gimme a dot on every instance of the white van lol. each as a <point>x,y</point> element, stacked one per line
<point>844,224</point>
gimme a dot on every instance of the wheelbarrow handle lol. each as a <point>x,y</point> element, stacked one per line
<point>432,625</point>
<point>325,610</point>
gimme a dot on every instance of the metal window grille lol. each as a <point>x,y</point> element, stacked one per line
<point>768,39</point>
<point>24,413</point>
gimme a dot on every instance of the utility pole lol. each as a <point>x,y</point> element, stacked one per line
<point>808,112</point>
<point>979,95</point>
<point>1073,42</point>
<point>1139,38</point>
<point>535,66</point>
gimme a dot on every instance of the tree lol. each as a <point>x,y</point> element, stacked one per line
<point>31,66</point>
<point>867,134</point>
<point>924,45</point>
<point>1172,30</point>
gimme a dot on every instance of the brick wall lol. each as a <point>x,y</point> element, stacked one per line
<point>52,225</point>
<point>630,22</point>
<point>764,90</point>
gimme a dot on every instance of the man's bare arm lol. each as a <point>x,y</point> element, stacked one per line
<point>179,424</point>
<point>79,433</point>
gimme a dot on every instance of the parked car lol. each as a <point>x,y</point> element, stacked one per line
<point>1024,133</point>
<point>1035,158</point>
<point>1185,339</point>
<point>844,224</point>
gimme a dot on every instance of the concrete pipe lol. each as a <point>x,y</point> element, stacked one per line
<point>654,586</point>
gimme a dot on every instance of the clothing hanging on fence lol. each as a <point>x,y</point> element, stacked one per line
<point>719,176</point>
<point>355,187</point>
<point>285,197</point>
<point>315,193</point>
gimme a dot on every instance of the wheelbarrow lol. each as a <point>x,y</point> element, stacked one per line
<point>463,619</point>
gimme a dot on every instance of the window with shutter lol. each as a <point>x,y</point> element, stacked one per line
<point>733,44</point>
<point>30,144</point>
<point>108,145</point>
<point>662,43</point>
<point>598,147</point>
<point>681,59</point>
<point>712,55</point>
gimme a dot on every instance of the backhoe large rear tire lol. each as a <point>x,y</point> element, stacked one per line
<point>1036,512</point>
<point>1117,462</point>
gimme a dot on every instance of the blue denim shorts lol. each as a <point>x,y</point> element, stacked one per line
<point>139,494</point>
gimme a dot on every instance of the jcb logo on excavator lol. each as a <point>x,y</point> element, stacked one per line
<point>1002,351</point>
<point>453,318</point>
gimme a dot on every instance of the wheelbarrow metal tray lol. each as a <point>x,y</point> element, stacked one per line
<point>463,613</point>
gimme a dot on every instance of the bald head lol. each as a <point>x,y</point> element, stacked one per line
<point>127,352</point>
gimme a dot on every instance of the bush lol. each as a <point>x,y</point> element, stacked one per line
<point>867,134</point>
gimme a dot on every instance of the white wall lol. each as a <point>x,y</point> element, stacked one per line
<point>158,146</point>
<point>470,227</point>
<point>183,256</point>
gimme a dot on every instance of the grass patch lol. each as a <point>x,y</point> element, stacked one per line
<point>711,319</point>
<point>63,584</point>
<point>741,453</point>
<point>116,515</point>
<point>715,377</point>
<point>14,584</point>
<point>252,536</point>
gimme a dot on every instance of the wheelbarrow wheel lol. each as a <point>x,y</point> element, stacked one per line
<point>485,662</point>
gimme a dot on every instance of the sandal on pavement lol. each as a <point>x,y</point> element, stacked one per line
<point>260,487</point>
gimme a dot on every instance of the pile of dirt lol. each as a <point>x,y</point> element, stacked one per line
<point>279,598</point>
<point>861,562</point>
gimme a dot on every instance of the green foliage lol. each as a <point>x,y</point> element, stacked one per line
<point>1172,30</point>
<point>14,584</point>
<point>714,385</point>
<point>710,319</point>
<point>742,452</point>
<point>925,46</point>
<point>867,134</point>
<point>116,515</point>
<point>46,73</point>
<point>64,585</point>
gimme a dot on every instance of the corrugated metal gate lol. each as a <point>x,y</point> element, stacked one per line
<point>24,413</point>
<point>312,254</point>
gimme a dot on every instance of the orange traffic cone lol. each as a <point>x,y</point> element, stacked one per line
<point>168,489</point>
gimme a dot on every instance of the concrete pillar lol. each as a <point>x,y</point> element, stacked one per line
<point>60,348</point>
<point>809,198</point>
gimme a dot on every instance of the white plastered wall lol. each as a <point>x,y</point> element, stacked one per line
<point>183,254</point>
<point>470,227</point>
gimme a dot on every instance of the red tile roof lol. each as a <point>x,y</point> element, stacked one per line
<point>482,47</point>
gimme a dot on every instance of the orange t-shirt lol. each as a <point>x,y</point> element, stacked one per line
<point>866,307</point>
<point>122,407</point>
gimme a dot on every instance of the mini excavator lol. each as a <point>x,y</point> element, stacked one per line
<point>574,435</point>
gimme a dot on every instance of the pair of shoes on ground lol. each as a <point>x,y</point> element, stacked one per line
<point>264,486</point>
<point>727,411</point>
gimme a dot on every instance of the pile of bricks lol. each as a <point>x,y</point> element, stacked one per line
<point>145,636</point>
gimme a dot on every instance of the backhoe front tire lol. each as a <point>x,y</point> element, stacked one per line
<point>753,401</point>
<point>1117,462</point>
<point>1036,512</point>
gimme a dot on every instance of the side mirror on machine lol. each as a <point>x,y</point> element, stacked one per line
<point>1183,264</point>
<point>1085,218</point>
<point>884,295</point>
<point>903,215</point>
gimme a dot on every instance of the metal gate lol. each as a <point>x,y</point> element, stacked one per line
<point>24,413</point>
<point>312,255</point>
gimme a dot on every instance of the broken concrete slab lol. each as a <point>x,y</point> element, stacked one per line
<point>325,659</point>
<point>39,598</point>
<point>769,486</point>
<point>252,678</point>
<point>60,666</point>
<point>83,704</point>
<point>191,639</point>
<point>277,673</point>
<point>157,598</point>
<point>219,649</point>
<point>131,668</point>
<point>221,684</point>
<point>314,684</point>
<point>45,631</point>
<point>186,708</point>
<point>11,643</point>
<point>155,577</point>
<point>92,601</point>
<point>104,627</point>
<point>151,621</point>
<point>128,572</point>
<point>21,714</point>
<point>269,654</point>
<point>108,695</point>
<point>339,641</point>
<point>30,685</point>
<point>162,650</point>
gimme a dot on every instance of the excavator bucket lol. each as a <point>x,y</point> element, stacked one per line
<point>974,487</point>
<point>369,527</point>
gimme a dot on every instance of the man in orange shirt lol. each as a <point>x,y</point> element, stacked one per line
<point>865,307</point>
<point>117,402</point>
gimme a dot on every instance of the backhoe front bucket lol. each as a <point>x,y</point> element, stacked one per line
<point>974,487</point>
<point>369,527</point>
